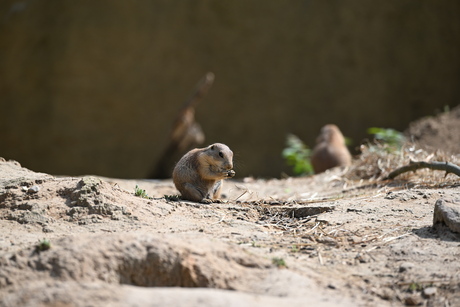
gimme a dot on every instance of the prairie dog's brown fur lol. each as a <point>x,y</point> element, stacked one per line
<point>330,150</point>
<point>198,174</point>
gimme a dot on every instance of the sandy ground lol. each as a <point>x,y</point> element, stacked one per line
<point>321,240</point>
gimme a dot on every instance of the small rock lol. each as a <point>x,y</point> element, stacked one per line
<point>116,216</point>
<point>327,240</point>
<point>387,294</point>
<point>429,292</point>
<point>46,229</point>
<point>33,189</point>
<point>447,212</point>
<point>413,300</point>
<point>406,266</point>
<point>390,195</point>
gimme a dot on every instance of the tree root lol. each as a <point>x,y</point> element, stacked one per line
<point>414,165</point>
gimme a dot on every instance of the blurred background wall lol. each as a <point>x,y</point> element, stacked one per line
<point>92,87</point>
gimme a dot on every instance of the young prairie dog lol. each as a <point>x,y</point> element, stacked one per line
<point>198,174</point>
<point>330,150</point>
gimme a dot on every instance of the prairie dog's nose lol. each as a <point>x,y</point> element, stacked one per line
<point>229,165</point>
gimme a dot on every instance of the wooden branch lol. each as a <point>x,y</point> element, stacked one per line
<point>186,133</point>
<point>185,130</point>
<point>201,89</point>
<point>414,165</point>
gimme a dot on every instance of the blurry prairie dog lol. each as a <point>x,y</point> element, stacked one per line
<point>330,150</point>
<point>198,174</point>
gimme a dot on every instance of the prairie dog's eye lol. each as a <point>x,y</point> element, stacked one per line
<point>221,154</point>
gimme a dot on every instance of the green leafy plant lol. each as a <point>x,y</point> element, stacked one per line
<point>140,192</point>
<point>297,155</point>
<point>390,138</point>
<point>294,249</point>
<point>43,245</point>
<point>172,197</point>
<point>415,287</point>
<point>279,262</point>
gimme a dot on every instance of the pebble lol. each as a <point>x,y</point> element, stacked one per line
<point>406,266</point>
<point>429,292</point>
<point>33,189</point>
<point>412,300</point>
<point>447,212</point>
<point>47,229</point>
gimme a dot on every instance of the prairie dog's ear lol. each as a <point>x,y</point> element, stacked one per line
<point>212,147</point>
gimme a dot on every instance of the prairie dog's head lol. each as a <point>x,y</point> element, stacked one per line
<point>219,155</point>
<point>331,134</point>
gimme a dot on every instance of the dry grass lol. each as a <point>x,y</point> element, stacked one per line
<point>326,242</point>
<point>376,162</point>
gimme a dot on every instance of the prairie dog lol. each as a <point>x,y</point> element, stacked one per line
<point>330,150</point>
<point>198,174</point>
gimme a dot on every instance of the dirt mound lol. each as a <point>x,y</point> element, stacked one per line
<point>139,259</point>
<point>440,132</point>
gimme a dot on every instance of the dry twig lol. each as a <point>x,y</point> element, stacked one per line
<point>414,165</point>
